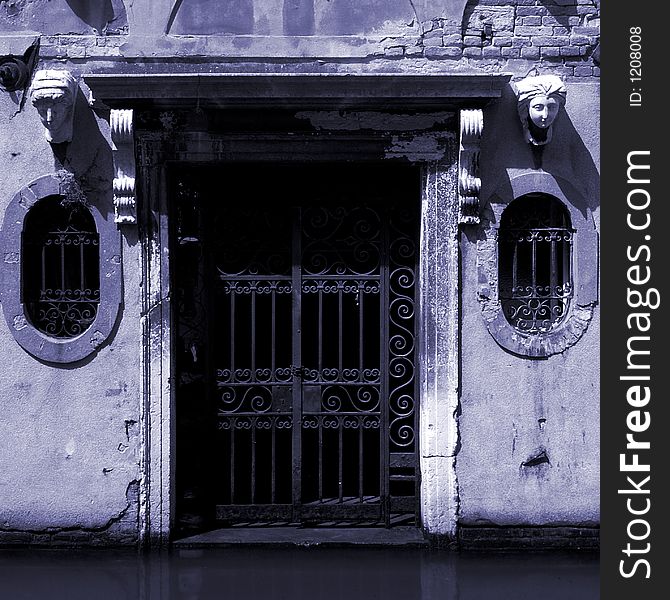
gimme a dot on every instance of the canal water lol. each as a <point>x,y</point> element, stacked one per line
<point>296,574</point>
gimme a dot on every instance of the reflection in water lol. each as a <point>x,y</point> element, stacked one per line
<point>295,574</point>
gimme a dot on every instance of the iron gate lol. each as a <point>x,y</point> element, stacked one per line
<point>296,325</point>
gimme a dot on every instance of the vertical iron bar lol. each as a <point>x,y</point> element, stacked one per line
<point>232,334</point>
<point>384,316</point>
<point>232,378</point>
<point>44,269</point>
<point>360,458</point>
<point>273,327</point>
<point>233,423</point>
<point>567,258</point>
<point>515,265</point>
<point>320,330</point>
<point>553,277</point>
<point>554,261</point>
<point>415,229</point>
<point>273,495</point>
<point>82,283</point>
<point>340,457</point>
<point>361,295</point>
<point>533,264</point>
<point>253,334</point>
<point>253,459</point>
<point>320,460</point>
<point>340,330</point>
<point>296,277</point>
<point>62,266</point>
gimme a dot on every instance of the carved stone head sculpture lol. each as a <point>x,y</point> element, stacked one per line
<point>53,94</point>
<point>540,99</point>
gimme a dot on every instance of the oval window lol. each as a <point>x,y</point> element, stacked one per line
<point>60,278</point>
<point>534,263</point>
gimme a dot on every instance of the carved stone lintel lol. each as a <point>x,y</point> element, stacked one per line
<point>121,125</point>
<point>469,183</point>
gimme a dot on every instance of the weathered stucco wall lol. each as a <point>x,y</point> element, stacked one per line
<point>64,16</point>
<point>376,35</point>
<point>512,408</point>
<point>69,436</point>
<point>70,444</point>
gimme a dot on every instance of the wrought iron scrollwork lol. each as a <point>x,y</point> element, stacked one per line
<point>312,314</point>
<point>402,298</point>
<point>341,241</point>
<point>262,249</point>
<point>247,399</point>
<point>535,251</point>
<point>61,276</point>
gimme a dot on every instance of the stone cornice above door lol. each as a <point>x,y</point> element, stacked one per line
<point>304,91</point>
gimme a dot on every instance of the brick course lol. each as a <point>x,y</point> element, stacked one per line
<point>554,36</point>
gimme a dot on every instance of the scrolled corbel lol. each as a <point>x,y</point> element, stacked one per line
<point>121,126</point>
<point>469,183</point>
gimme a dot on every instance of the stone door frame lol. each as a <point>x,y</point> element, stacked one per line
<point>448,163</point>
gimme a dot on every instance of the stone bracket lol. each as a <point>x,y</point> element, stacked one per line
<point>121,125</point>
<point>469,183</point>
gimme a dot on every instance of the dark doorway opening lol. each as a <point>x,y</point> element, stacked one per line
<point>294,310</point>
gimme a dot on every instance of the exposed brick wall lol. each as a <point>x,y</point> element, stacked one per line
<point>560,37</point>
<point>68,539</point>
<point>556,36</point>
<point>524,538</point>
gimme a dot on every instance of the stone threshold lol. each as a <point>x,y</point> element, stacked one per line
<point>299,536</point>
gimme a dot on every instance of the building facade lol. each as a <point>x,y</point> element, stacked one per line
<point>299,262</point>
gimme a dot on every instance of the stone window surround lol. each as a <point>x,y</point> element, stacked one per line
<point>439,296</point>
<point>584,275</point>
<point>40,345</point>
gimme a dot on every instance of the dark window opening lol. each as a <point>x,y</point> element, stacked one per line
<point>60,282</point>
<point>534,263</point>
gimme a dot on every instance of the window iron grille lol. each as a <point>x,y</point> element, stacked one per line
<point>534,268</point>
<point>61,273</point>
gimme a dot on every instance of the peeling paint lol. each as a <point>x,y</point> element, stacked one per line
<point>97,338</point>
<point>19,322</point>
<point>70,448</point>
<point>427,146</point>
<point>132,500</point>
<point>537,459</point>
<point>26,201</point>
<point>375,121</point>
<point>132,429</point>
